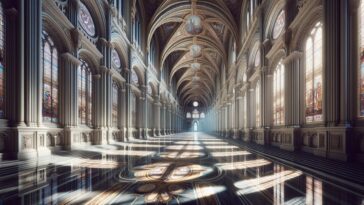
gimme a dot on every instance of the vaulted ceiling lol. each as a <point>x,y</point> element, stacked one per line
<point>192,36</point>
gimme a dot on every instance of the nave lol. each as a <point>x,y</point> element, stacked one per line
<point>187,168</point>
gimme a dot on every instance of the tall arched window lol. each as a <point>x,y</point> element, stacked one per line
<point>313,74</point>
<point>2,67</point>
<point>361,57</point>
<point>85,94</point>
<point>257,104</point>
<point>278,94</point>
<point>50,79</point>
<point>115,100</point>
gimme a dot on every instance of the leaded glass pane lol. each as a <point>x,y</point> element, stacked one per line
<point>313,75</point>
<point>278,94</point>
<point>85,94</point>
<point>49,64</point>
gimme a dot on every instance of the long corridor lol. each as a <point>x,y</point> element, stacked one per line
<point>189,168</point>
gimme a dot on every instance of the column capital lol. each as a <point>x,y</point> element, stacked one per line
<point>293,56</point>
<point>70,58</point>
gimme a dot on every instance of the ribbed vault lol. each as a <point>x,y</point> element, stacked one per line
<point>199,31</point>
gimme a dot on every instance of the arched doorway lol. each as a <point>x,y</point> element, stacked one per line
<point>195,126</point>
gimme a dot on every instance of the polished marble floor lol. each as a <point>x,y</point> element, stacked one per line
<point>189,168</point>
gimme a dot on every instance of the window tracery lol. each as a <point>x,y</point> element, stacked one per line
<point>86,21</point>
<point>279,24</point>
<point>50,79</point>
<point>278,94</point>
<point>84,93</point>
<point>313,74</point>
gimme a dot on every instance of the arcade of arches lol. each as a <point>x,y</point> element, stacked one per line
<point>182,102</point>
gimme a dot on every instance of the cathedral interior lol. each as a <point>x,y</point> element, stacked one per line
<point>182,102</point>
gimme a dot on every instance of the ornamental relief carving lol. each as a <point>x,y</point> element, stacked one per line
<point>301,4</point>
<point>28,142</point>
<point>336,142</point>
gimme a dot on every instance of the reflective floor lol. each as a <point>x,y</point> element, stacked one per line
<point>190,168</point>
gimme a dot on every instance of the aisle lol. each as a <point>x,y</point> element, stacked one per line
<point>189,168</point>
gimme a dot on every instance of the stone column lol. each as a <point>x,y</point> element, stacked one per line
<point>142,108</point>
<point>157,119</point>
<point>168,119</point>
<point>69,95</point>
<point>31,141</point>
<point>123,113</point>
<point>103,106</point>
<point>14,63</point>
<point>338,138</point>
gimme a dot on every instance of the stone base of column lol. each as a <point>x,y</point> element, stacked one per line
<point>227,133</point>
<point>285,138</point>
<point>329,142</point>
<point>246,135</point>
<point>132,133</point>
<point>101,136</point>
<point>260,136</point>
<point>25,143</point>
<point>235,134</point>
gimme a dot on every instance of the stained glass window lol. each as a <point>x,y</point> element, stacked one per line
<point>188,115</point>
<point>313,75</point>
<point>115,99</point>
<point>278,94</point>
<point>257,104</point>
<point>115,59</point>
<point>195,114</point>
<point>50,80</point>
<point>2,67</point>
<point>84,94</point>
<point>361,38</point>
<point>86,21</point>
<point>279,24</point>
